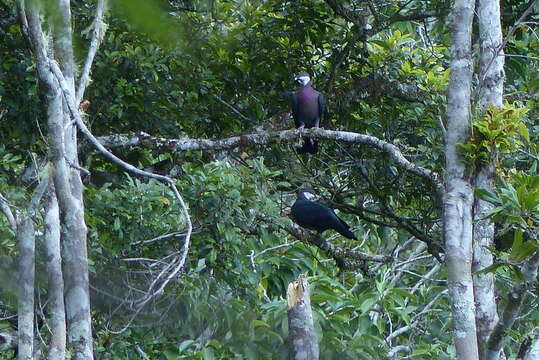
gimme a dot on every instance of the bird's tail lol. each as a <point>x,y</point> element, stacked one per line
<point>309,146</point>
<point>348,234</point>
<point>344,230</point>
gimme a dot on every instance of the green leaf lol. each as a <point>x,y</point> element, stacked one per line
<point>487,196</point>
<point>492,268</point>
<point>185,344</point>
<point>258,323</point>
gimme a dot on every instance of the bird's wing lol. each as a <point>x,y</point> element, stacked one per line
<point>321,110</point>
<point>294,101</point>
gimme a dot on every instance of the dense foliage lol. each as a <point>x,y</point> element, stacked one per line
<point>223,68</point>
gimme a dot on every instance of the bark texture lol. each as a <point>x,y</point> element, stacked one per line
<point>8,340</point>
<point>57,345</point>
<point>533,354</point>
<point>302,337</point>
<point>491,75</point>
<point>26,245</point>
<point>458,197</point>
<point>67,183</point>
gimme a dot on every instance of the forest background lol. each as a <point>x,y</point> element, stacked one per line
<point>190,255</point>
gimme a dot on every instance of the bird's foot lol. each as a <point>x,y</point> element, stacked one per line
<point>301,129</point>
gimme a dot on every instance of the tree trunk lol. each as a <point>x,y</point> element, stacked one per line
<point>491,77</point>
<point>8,339</point>
<point>458,199</point>
<point>533,353</point>
<point>56,284</point>
<point>67,183</point>
<point>25,311</point>
<point>302,337</point>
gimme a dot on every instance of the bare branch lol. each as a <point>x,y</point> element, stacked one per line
<point>5,208</point>
<point>97,35</point>
<point>274,248</point>
<point>158,238</point>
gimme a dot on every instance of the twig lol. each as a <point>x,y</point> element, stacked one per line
<point>415,322</point>
<point>234,110</point>
<point>141,353</point>
<point>529,7</point>
<point>275,248</point>
<point>530,155</point>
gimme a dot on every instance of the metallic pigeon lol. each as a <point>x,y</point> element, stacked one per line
<point>307,110</point>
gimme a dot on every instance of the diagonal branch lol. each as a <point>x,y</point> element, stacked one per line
<point>5,209</point>
<point>97,35</point>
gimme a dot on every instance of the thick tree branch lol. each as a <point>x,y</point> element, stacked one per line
<point>266,137</point>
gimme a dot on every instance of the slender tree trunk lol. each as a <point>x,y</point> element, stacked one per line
<point>26,244</point>
<point>458,199</point>
<point>57,344</point>
<point>25,311</point>
<point>74,253</point>
<point>491,76</point>
<point>302,337</point>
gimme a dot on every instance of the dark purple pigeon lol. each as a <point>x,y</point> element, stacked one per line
<point>307,110</point>
<point>315,216</point>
